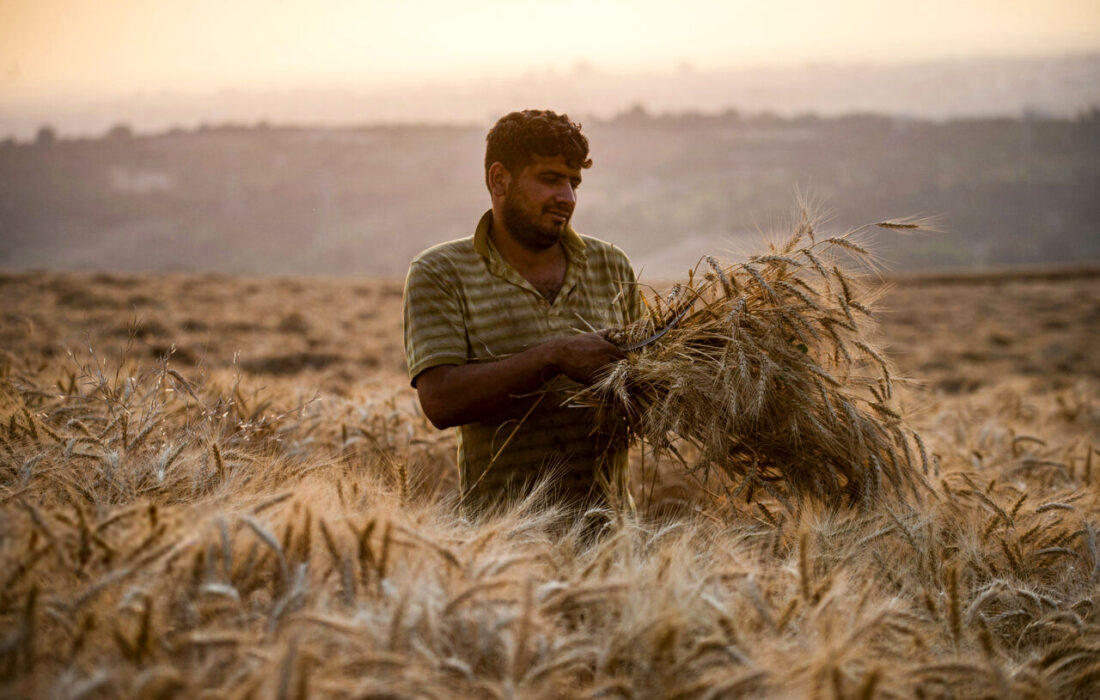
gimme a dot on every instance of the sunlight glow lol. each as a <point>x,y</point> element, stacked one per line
<point>104,46</point>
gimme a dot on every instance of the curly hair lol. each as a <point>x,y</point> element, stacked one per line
<point>518,137</point>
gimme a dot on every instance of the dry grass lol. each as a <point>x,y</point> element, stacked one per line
<point>241,533</point>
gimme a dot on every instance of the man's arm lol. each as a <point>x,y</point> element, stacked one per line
<point>458,394</point>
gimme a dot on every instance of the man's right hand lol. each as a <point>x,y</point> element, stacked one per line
<point>459,394</point>
<point>582,357</point>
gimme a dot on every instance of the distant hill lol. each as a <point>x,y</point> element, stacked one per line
<point>263,200</point>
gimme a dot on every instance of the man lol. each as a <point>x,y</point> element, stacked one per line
<point>491,323</point>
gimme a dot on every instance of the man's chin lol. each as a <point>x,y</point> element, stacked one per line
<point>556,229</point>
<point>539,242</point>
<point>535,234</point>
<point>539,238</point>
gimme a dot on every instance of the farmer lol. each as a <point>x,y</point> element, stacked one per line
<point>495,324</point>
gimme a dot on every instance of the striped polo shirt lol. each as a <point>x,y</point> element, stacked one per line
<point>464,303</point>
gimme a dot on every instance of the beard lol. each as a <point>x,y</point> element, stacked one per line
<point>528,231</point>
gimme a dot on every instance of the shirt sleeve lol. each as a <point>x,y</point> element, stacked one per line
<point>435,330</point>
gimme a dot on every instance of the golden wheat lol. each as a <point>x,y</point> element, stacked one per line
<point>299,568</point>
<point>763,369</point>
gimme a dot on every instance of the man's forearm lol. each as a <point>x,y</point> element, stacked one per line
<point>458,394</point>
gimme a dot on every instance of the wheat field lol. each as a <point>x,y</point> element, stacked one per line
<point>223,487</point>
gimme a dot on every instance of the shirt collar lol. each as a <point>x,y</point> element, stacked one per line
<point>575,247</point>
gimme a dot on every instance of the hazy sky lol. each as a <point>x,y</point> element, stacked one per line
<point>97,47</point>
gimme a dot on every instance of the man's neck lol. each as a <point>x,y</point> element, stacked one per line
<point>543,269</point>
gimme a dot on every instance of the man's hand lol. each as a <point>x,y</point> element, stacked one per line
<point>581,357</point>
<point>459,394</point>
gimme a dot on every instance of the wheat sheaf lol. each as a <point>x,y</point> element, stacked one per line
<point>768,370</point>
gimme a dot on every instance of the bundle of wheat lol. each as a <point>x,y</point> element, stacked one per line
<point>767,368</point>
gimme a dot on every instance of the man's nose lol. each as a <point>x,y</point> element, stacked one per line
<point>566,194</point>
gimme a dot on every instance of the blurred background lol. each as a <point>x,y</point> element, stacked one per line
<point>340,138</point>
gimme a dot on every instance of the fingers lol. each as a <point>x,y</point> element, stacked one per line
<point>587,355</point>
<point>615,351</point>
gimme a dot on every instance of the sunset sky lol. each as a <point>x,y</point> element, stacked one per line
<point>99,47</point>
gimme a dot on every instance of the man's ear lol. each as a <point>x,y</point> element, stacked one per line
<point>499,179</point>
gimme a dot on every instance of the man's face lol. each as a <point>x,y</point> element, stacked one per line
<point>539,202</point>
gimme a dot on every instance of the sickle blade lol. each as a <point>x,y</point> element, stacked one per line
<point>659,334</point>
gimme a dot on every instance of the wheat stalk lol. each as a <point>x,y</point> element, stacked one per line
<point>748,379</point>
